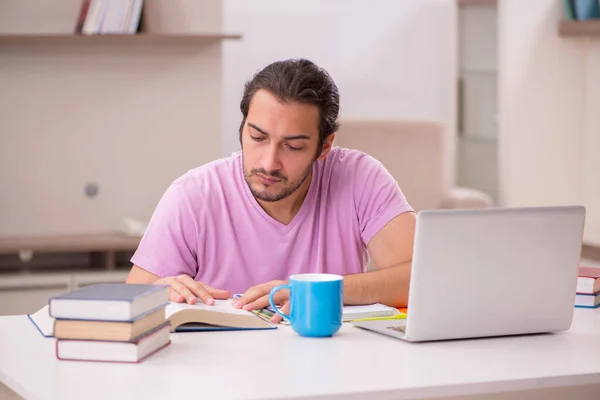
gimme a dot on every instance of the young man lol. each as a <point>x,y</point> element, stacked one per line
<point>288,203</point>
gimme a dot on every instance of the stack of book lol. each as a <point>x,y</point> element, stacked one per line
<point>588,287</point>
<point>110,322</point>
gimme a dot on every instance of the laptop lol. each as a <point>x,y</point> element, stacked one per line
<point>490,272</point>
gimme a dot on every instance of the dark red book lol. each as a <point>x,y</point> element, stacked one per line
<point>588,281</point>
<point>85,5</point>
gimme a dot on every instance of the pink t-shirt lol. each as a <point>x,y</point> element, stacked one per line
<point>208,224</point>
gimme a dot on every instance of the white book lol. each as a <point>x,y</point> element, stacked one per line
<point>351,313</point>
<point>115,351</point>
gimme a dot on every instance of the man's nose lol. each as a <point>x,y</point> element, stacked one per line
<point>271,160</point>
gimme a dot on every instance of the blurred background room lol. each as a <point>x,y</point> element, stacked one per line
<point>103,103</point>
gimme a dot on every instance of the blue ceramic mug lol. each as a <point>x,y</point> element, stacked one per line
<point>316,303</point>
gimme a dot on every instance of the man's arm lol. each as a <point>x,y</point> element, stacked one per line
<point>391,250</point>
<point>140,275</point>
<point>181,288</point>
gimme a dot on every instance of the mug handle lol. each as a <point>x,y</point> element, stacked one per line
<point>276,288</point>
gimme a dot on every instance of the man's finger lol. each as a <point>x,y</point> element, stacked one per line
<point>183,290</point>
<point>174,296</point>
<point>216,293</point>
<point>284,309</point>
<point>280,297</point>
<point>251,295</point>
<point>258,304</point>
<point>197,289</point>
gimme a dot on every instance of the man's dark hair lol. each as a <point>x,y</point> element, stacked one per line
<point>302,81</point>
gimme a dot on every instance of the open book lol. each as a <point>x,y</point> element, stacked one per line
<point>182,317</point>
<point>220,316</point>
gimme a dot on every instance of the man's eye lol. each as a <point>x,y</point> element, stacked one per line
<point>257,138</point>
<point>294,148</point>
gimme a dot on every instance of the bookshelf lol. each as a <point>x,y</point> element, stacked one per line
<point>579,28</point>
<point>142,38</point>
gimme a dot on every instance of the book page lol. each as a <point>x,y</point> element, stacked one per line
<point>369,310</point>
<point>43,321</point>
<point>222,306</point>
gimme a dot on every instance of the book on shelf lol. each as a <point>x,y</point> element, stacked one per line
<point>109,17</point>
<point>581,10</point>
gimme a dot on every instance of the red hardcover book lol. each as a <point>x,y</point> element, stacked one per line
<point>85,4</point>
<point>588,281</point>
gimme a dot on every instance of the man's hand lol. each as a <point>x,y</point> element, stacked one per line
<point>184,288</point>
<point>257,297</point>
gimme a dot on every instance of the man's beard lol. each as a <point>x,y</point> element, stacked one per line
<point>286,191</point>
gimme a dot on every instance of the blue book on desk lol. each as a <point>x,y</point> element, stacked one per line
<point>218,317</point>
<point>109,302</point>
<point>587,300</point>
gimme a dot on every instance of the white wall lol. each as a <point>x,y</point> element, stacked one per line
<point>389,58</point>
<point>140,116</point>
<point>549,127</point>
<point>128,117</point>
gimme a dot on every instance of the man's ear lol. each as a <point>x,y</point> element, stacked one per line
<point>326,146</point>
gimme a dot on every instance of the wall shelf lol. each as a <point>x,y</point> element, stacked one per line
<point>141,38</point>
<point>76,242</point>
<point>579,28</point>
<point>477,2</point>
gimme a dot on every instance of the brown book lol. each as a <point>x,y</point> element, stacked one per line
<point>107,330</point>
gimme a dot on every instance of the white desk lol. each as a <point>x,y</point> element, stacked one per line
<point>280,364</point>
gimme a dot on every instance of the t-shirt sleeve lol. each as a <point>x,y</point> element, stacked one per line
<point>168,247</point>
<point>378,197</point>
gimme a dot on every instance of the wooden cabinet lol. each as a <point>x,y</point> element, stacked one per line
<point>27,293</point>
<point>28,290</point>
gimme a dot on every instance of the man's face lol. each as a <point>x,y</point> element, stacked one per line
<point>279,144</point>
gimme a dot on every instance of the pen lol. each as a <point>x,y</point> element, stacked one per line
<point>261,315</point>
<point>265,313</point>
